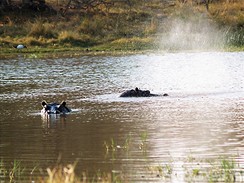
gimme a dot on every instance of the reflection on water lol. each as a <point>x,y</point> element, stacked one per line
<point>201,119</point>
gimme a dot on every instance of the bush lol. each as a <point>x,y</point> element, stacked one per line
<point>75,39</point>
<point>40,29</point>
<point>96,25</point>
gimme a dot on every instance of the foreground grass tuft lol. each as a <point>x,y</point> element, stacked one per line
<point>190,169</point>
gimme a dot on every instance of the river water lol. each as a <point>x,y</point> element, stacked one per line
<point>156,139</point>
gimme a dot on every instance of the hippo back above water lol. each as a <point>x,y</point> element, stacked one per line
<point>55,108</point>
<point>139,93</point>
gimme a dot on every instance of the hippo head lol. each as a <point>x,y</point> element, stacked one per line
<point>54,108</point>
<point>137,93</point>
<point>145,93</point>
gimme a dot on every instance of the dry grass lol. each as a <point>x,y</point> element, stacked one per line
<point>126,44</point>
<point>66,174</point>
<point>231,14</point>
<point>41,29</point>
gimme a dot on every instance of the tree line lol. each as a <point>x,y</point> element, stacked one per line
<point>84,4</point>
<point>89,4</point>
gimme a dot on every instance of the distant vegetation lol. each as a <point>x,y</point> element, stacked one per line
<point>122,24</point>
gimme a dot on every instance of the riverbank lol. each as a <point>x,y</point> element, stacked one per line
<point>136,27</point>
<point>51,53</point>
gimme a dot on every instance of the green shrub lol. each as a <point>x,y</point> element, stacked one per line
<point>135,43</point>
<point>235,37</point>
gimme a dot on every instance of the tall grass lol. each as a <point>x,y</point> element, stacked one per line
<point>12,173</point>
<point>39,28</point>
<point>235,37</point>
<point>75,39</point>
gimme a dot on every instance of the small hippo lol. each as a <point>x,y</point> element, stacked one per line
<point>55,108</point>
<point>139,93</point>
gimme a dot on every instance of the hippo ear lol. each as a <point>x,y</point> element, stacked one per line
<point>63,103</point>
<point>44,103</point>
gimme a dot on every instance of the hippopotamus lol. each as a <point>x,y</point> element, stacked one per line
<point>55,108</point>
<point>139,93</point>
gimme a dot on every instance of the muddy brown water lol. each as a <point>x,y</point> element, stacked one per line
<point>202,119</point>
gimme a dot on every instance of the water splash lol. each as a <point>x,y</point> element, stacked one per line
<point>192,34</point>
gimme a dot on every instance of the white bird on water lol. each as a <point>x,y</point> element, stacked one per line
<point>20,46</point>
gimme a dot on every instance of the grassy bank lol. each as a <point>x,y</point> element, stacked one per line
<point>140,26</point>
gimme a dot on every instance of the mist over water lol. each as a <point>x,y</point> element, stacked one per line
<point>199,33</point>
